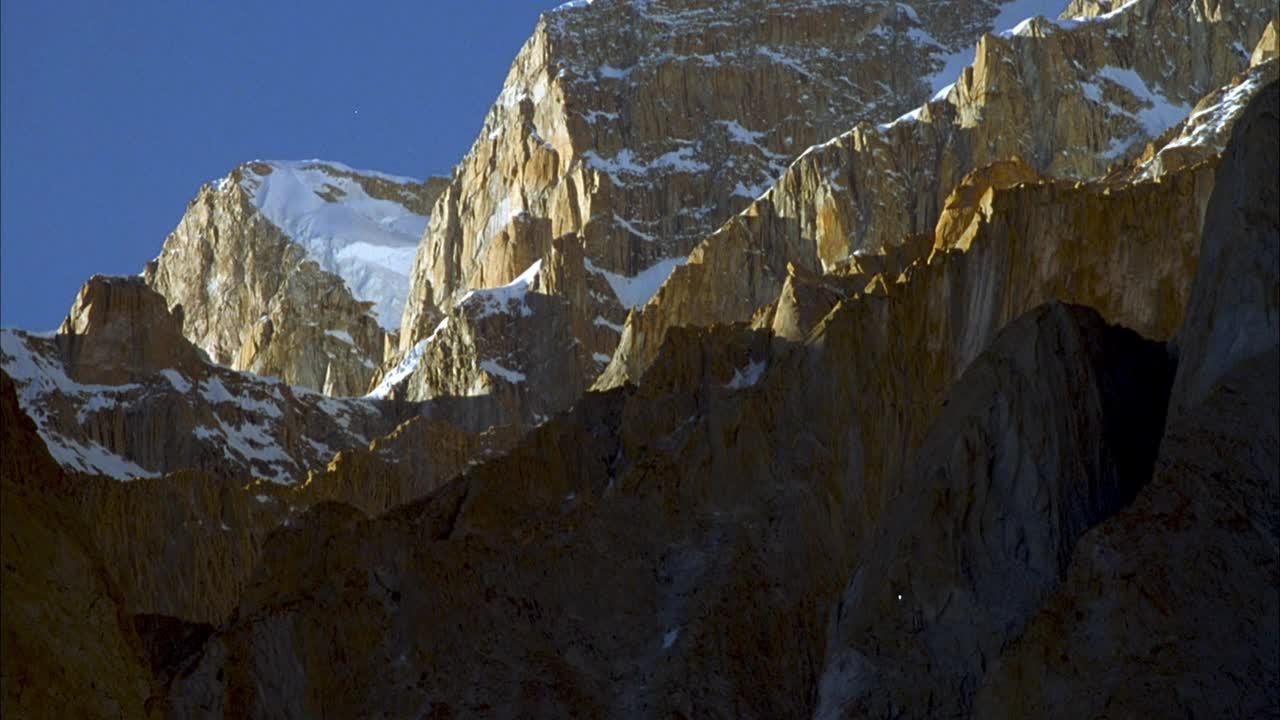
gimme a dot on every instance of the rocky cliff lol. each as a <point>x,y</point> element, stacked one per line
<point>631,150</point>
<point>119,391</point>
<point>296,270</point>
<point>826,531</point>
<point>1190,612</point>
<point>68,648</point>
<point>1069,98</point>
<point>972,413</point>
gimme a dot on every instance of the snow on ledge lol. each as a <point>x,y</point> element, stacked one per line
<point>369,242</point>
<point>637,291</point>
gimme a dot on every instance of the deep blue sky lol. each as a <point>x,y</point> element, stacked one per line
<point>114,113</point>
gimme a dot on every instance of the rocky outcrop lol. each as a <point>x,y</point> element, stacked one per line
<point>288,269</point>
<point>68,650</point>
<point>409,463</point>
<point>638,128</point>
<point>1069,98</point>
<point>1050,431</point>
<point>631,130</point>
<point>1268,47</point>
<point>767,477</point>
<point>118,391</point>
<point>1172,605</point>
<point>119,330</point>
<point>1204,132</point>
<point>519,353</point>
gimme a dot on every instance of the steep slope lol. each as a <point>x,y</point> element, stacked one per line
<point>534,582</point>
<point>68,650</point>
<point>296,269</point>
<point>1177,596</point>
<point>679,547</point>
<point>1068,98</point>
<point>626,131</point>
<point>119,391</point>
<point>1047,433</point>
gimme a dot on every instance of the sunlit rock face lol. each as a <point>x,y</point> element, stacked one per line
<point>631,130</point>
<point>970,412</point>
<point>297,270</point>
<point>1072,99</point>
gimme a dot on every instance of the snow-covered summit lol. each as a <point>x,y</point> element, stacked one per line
<point>361,225</point>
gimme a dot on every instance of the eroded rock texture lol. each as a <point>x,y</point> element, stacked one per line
<point>971,414</point>
<point>295,270</point>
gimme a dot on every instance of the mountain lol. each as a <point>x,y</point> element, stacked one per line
<point>794,560</point>
<point>625,133</point>
<point>1068,99</point>
<point>297,270</point>
<point>759,359</point>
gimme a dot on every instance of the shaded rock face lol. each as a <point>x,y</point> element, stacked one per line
<point>1050,431</point>
<point>184,545</point>
<point>67,650</point>
<point>768,495</point>
<point>731,558</point>
<point>1153,595</point>
<point>264,265</point>
<point>630,130</point>
<point>118,391</point>
<point>1069,99</point>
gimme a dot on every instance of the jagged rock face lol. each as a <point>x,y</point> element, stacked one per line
<point>516,354</point>
<point>287,269</point>
<point>119,330</point>
<point>682,456</point>
<point>906,487</point>
<point>641,126</point>
<point>185,545</point>
<point>636,128</point>
<point>625,644</point>
<point>67,650</point>
<point>120,394</point>
<point>1172,608</point>
<point>1069,99</point>
<point>1128,250</point>
<point>1207,129</point>
<point>172,410</point>
<point>1048,432</point>
<point>764,476</point>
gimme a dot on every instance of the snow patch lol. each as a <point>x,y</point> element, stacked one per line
<point>369,242</point>
<point>637,291</point>
<point>1161,113</point>
<point>602,322</point>
<point>509,299</point>
<point>406,366</point>
<point>1214,120</point>
<point>625,164</point>
<point>747,376</point>
<point>493,368</point>
<point>216,393</point>
<point>93,459</point>
<point>608,71</point>
<point>175,378</point>
<point>342,335</point>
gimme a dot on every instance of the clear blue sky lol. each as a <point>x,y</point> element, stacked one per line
<point>114,113</point>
